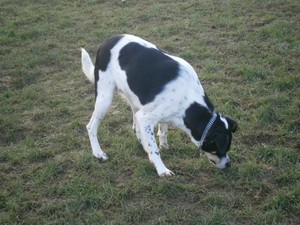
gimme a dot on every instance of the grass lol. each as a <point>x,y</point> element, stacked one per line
<point>247,56</point>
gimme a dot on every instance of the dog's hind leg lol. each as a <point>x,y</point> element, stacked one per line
<point>135,128</point>
<point>163,135</point>
<point>146,123</point>
<point>104,98</point>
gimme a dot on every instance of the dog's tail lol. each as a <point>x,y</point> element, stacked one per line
<point>87,65</point>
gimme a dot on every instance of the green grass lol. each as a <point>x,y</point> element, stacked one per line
<point>247,56</point>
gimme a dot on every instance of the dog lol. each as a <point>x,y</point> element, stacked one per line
<point>162,90</point>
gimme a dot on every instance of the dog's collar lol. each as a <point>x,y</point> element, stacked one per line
<point>207,128</point>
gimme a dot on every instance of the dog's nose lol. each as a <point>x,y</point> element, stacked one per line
<point>228,164</point>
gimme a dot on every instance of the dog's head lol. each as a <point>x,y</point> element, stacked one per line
<point>217,142</point>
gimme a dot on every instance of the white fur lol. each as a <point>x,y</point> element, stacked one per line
<point>87,65</point>
<point>220,163</point>
<point>168,107</point>
<point>225,122</point>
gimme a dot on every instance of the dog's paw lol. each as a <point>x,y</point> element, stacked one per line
<point>163,146</point>
<point>166,173</point>
<point>101,156</point>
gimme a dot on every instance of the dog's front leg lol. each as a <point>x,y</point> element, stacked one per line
<point>146,127</point>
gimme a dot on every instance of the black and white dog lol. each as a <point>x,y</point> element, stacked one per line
<point>161,89</point>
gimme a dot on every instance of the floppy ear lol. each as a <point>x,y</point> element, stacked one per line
<point>233,125</point>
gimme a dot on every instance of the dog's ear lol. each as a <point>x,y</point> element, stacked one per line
<point>233,125</point>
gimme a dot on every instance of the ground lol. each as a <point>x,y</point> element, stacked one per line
<point>247,56</point>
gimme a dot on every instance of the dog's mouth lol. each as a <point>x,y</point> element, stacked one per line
<point>221,164</point>
<point>213,162</point>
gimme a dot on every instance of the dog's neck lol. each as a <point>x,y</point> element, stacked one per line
<point>197,118</point>
<point>207,128</point>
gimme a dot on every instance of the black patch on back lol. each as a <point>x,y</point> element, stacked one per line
<point>148,70</point>
<point>103,57</point>
<point>196,119</point>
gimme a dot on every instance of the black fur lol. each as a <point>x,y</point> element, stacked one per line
<point>103,57</point>
<point>233,125</point>
<point>148,70</point>
<point>196,119</point>
<point>218,140</point>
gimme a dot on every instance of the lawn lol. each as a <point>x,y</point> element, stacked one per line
<point>246,54</point>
